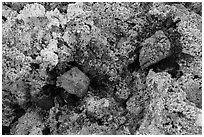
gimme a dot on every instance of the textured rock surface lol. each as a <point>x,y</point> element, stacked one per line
<point>103,68</point>
<point>154,49</point>
<point>168,111</point>
<point>98,107</point>
<point>74,82</point>
<point>30,123</point>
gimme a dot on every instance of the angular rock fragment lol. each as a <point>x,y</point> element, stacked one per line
<point>74,82</point>
<point>154,49</point>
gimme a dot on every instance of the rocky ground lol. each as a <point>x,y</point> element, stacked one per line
<point>101,68</point>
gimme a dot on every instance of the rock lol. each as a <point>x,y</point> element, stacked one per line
<point>101,108</point>
<point>134,105</point>
<point>98,107</point>
<point>36,131</point>
<point>193,89</point>
<point>20,90</point>
<point>154,49</point>
<point>49,56</point>
<point>199,118</point>
<point>30,123</point>
<point>74,82</point>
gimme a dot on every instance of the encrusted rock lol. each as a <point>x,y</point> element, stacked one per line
<point>49,56</point>
<point>154,49</point>
<point>30,123</point>
<point>97,107</point>
<point>101,108</point>
<point>74,82</point>
<point>193,89</point>
<point>135,106</point>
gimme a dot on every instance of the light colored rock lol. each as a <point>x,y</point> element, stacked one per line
<point>199,119</point>
<point>154,49</point>
<point>74,81</point>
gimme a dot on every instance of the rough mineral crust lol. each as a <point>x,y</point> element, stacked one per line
<point>74,82</point>
<point>154,49</point>
<point>168,111</point>
<point>30,123</point>
<point>101,68</point>
<point>98,107</point>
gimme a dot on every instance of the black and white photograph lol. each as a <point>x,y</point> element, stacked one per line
<point>101,68</point>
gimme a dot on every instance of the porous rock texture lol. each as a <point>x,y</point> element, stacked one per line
<point>101,68</point>
<point>154,49</point>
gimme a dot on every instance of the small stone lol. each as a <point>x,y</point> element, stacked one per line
<point>154,49</point>
<point>134,105</point>
<point>199,118</point>
<point>98,107</point>
<point>49,56</point>
<point>30,123</point>
<point>74,81</point>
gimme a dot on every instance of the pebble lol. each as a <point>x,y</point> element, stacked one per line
<point>74,81</point>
